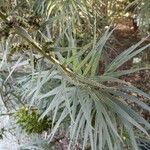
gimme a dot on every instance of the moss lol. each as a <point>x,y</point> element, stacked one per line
<point>29,121</point>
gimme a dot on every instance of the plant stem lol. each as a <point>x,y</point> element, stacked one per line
<point>75,79</point>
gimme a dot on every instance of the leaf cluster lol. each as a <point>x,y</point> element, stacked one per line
<point>29,121</point>
<point>91,107</point>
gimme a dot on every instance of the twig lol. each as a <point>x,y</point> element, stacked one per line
<point>7,114</point>
<point>74,78</point>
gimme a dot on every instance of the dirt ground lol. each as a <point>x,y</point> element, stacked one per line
<point>126,35</point>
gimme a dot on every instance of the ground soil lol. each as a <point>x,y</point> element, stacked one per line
<point>127,35</point>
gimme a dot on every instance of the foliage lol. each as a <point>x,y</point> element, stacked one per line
<point>29,121</point>
<point>91,107</point>
<point>145,16</point>
<point>141,9</point>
